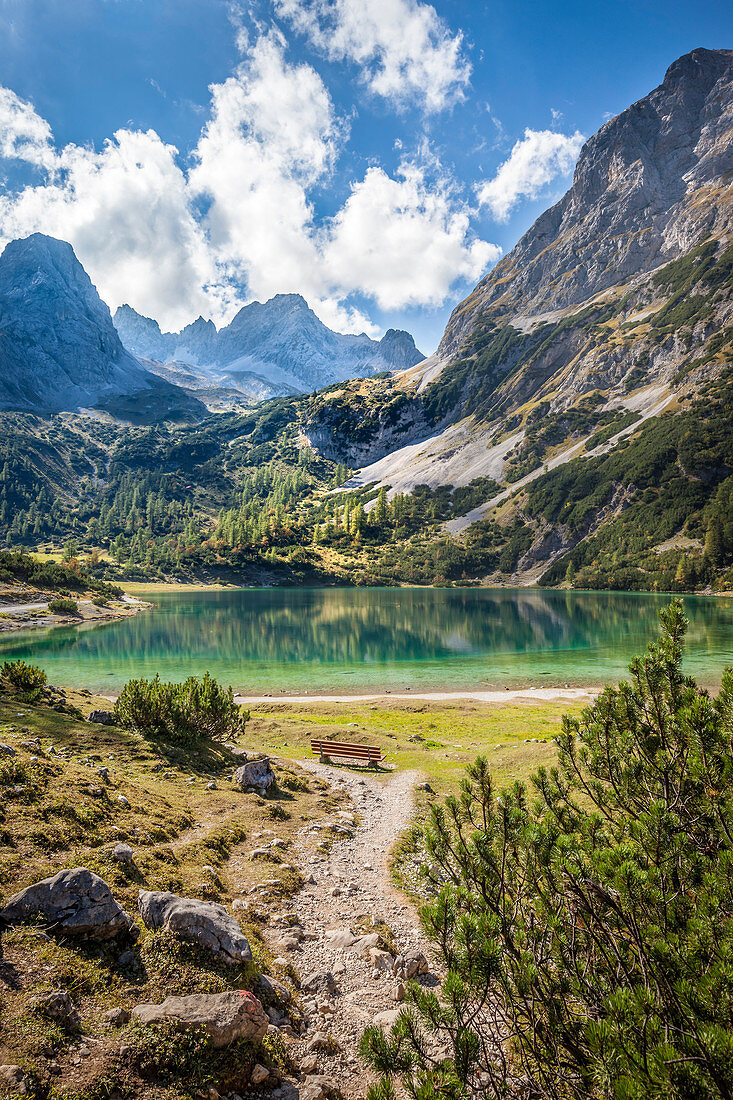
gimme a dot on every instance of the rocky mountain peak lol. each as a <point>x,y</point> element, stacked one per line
<point>633,204</point>
<point>58,346</point>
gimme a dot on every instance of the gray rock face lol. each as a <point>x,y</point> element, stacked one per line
<point>202,922</point>
<point>636,200</point>
<point>281,341</point>
<point>255,773</point>
<point>75,902</point>
<point>58,346</point>
<point>235,1014</point>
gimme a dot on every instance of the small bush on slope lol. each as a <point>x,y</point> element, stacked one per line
<point>26,681</point>
<point>192,711</point>
<point>586,936</point>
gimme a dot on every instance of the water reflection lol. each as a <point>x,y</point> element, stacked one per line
<point>314,638</point>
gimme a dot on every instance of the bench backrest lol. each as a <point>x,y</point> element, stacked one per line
<point>339,748</point>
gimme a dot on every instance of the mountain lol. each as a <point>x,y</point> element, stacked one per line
<point>596,339</point>
<point>618,297</point>
<point>280,342</point>
<point>58,346</point>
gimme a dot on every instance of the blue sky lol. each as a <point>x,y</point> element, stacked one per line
<point>375,155</point>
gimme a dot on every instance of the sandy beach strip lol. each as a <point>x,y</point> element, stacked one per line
<point>508,695</point>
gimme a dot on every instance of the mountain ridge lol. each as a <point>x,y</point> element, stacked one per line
<point>281,341</point>
<point>58,346</point>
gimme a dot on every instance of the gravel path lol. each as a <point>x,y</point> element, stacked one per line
<point>344,889</point>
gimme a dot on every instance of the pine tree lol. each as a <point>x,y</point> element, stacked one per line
<point>586,933</point>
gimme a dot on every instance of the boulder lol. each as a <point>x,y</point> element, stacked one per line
<point>275,989</point>
<point>320,981</point>
<point>202,922</point>
<point>13,1078</point>
<point>411,964</point>
<point>116,1017</point>
<point>256,773</point>
<point>58,1006</point>
<point>340,940</point>
<point>380,960</point>
<point>259,1074</point>
<point>363,944</point>
<point>123,853</point>
<point>386,1019</point>
<point>75,901</point>
<point>102,717</point>
<point>316,1088</point>
<point>7,750</point>
<point>235,1014</point>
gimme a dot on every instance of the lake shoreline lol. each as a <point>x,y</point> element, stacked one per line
<point>507,695</point>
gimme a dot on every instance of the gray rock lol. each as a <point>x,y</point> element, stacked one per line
<point>322,1041</point>
<point>102,717</point>
<point>259,1074</point>
<point>75,901</point>
<point>235,1014</point>
<point>363,944</point>
<point>411,964</point>
<point>7,750</point>
<point>13,1077</point>
<point>380,960</point>
<point>316,1088</point>
<point>58,1006</point>
<point>123,853</point>
<point>116,1017</point>
<point>202,922</point>
<point>320,981</point>
<point>255,773</point>
<point>275,988</point>
<point>386,1019</point>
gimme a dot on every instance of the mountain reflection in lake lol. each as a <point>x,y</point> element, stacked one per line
<point>344,639</point>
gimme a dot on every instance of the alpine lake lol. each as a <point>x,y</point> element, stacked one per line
<point>344,641</point>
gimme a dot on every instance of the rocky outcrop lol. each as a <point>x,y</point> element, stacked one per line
<point>280,341</point>
<point>201,922</point>
<point>235,1014</point>
<point>648,186</point>
<point>75,902</point>
<point>58,346</point>
<point>622,292</point>
<point>256,773</point>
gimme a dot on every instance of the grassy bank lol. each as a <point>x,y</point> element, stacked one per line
<point>56,811</point>
<point>435,739</point>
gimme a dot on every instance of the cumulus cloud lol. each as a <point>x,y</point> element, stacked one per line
<point>535,161</point>
<point>24,135</point>
<point>402,241</point>
<point>272,134</point>
<point>235,221</point>
<point>404,49</point>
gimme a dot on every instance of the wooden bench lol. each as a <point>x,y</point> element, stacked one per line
<point>362,754</point>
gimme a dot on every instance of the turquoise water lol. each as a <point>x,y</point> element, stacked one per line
<point>331,640</point>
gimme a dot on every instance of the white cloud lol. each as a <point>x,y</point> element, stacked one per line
<point>236,222</point>
<point>126,212</point>
<point>535,161</point>
<point>402,242</point>
<point>405,50</point>
<point>24,135</point>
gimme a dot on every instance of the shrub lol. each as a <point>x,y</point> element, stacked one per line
<point>193,711</point>
<point>63,607</point>
<point>587,934</point>
<point>26,681</point>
